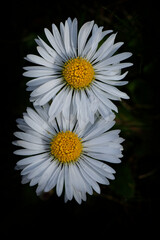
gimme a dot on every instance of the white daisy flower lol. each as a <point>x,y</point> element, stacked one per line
<point>61,155</point>
<point>77,71</point>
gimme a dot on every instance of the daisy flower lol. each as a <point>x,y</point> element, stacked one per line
<point>61,155</point>
<point>77,71</point>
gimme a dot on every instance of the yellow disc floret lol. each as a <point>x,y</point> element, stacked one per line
<point>66,147</point>
<point>78,73</point>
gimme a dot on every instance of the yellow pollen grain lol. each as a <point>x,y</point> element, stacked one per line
<point>66,147</point>
<point>78,73</point>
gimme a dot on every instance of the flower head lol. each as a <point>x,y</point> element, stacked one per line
<point>77,71</point>
<point>59,154</point>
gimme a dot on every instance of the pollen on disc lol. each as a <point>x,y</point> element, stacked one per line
<point>66,147</point>
<point>78,73</point>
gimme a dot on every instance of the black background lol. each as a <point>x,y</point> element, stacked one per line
<point>109,214</point>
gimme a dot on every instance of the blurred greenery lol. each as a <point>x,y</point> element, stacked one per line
<point>132,200</point>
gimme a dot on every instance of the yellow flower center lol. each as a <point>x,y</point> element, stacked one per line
<point>78,72</point>
<point>66,147</point>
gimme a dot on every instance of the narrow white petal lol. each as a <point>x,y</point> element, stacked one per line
<point>77,196</point>
<point>39,60</point>
<point>83,35</point>
<point>98,164</point>
<point>25,180</point>
<point>99,149</point>
<point>58,102</point>
<point>29,160</point>
<point>58,37</point>
<point>93,174</point>
<point>46,87</point>
<point>27,152</point>
<point>38,81</point>
<point>33,166</point>
<point>39,170</point>
<point>29,138</point>
<point>67,42</point>
<point>38,73</point>
<point>105,157</point>
<point>66,111</point>
<point>76,179</point>
<point>52,41</point>
<point>104,47</point>
<point>45,54</point>
<point>32,146</point>
<point>90,181</point>
<point>68,188</point>
<point>114,60</point>
<point>60,182</point>
<point>103,77</point>
<point>103,98</point>
<point>74,36</point>
<point>46,46</point>
<point>99,127</point>
<point>111,90</point>
<point>47,174</point>
<point>112,68</point>
<point>49,95</point>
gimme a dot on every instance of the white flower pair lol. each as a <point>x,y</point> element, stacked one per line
<point>67,139</point>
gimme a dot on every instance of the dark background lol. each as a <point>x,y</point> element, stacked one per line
<point>130,205</point>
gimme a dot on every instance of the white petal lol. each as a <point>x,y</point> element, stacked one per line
<point>103,98</point>
<point>38,81</point>
<point>57,104</point>
<point>29,160</point>
<point>68,189</point>
<point>38,73</point>
<point>45,54</point>
<point>114,60</point>
<point>32,146</point>
<point>98,164</point>
<point>53,180</point>
<point>103,48</point>
<point>111,90</point>
<point>27,152</point>
<point>24,180</point>
<point>58,37</point>
<point>39,60</point>
<point>74,36</point>
<point>60,182</point>
<point>90,181</point>
<point>77,196</point>
<point>29,138</point>
<point>99,149</point>
<point>83,35</point>
<point>76,179</point>
<point>99,127</point>
<point>93,42</point>
<point>49,95</point>
<point>48,173</point>
<point>67,42</point>
<point>92,173</point>
<point>46,87</point>
<point>67,105</point>
<point>52,41</point>
<point>50,50</point>
<point>35,126</point>
<point>103,77</point>
<point>115,67</point>
<point>105,157</point>
<point>43,124</point>
<point>33,166</point>
<point>39,170</point>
